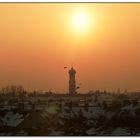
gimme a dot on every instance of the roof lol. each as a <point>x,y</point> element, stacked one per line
<point>12,119</point>
<point>32,120</point>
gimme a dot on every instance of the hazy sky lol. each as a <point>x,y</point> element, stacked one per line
<point>38,40</point>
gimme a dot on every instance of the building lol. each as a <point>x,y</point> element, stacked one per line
<point>34,119</point>
<point>72,81</point>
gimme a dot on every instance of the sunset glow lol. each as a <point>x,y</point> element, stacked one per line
<point>100,40</point>
<point>80,21</point>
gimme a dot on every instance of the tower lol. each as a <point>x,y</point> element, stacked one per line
<point>72,81</point>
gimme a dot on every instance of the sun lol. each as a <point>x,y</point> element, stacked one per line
<point>80,21</point>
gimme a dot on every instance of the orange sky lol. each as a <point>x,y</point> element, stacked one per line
<point>37,41</point>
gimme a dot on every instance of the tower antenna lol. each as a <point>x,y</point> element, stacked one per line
<point>72,65</point>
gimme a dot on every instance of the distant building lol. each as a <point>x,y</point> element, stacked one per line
<point>72,81</point>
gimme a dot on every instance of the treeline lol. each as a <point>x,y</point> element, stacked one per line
<point>13,90</point>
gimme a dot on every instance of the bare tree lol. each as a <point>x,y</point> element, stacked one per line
<point>13,90</point>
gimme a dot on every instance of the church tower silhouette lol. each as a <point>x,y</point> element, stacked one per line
<point>72,81</point>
